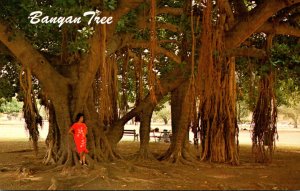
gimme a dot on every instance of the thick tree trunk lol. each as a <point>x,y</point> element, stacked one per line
<point>98,138</point>
<point>60,144</point>
<point>218,119</point>
<point>180,113</point>
<point>217,92</point>
<point>67,153</point>
<point>145,126</point>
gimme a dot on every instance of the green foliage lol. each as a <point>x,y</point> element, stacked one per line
<point>110,4</point>
<point>9,83</point>
<point>284,61</point>
<point>247,82</point>
<point>286,58</point>
<point>80,44</point>
<point>12,106</point>
<point>173,3</point>
<point>242,111</point>
<point>49,39</point>
<point>127,23</point>
<point>163,110</point>
<point>287,92</point>
<point>164,103</point>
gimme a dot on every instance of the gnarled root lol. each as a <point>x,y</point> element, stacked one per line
<point>144,154</point>
<point>183,156</point>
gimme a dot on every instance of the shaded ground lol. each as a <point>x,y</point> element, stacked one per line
<point>16,156</point>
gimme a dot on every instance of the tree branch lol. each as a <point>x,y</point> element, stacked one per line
<point>229,13</point>
<point>169,27</point>
<point>168,83</point>
<point>282,28</point>
<point>133,55</point>
<point>91,61</point>
<point>88,69</point>
<point>158,49</point>
<point>30,57</point>
<point>246,52</point>
<point>174,28</point>
<point>168,41</point>
<point>169,54</point>
<point>123,8</point>
<point>5,51</point>
<point>247,26</point>
<point>170,10</point>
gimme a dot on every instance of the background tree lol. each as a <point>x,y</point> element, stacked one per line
<point>11,107</point>
<point>291,113</point>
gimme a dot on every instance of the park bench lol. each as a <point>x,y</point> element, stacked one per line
<point>131,133</point>
<point>164,136</point>
<point>155,135</point>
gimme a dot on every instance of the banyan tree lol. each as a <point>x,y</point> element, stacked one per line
<point>153,48</point>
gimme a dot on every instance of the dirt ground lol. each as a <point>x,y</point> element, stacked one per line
<point>20,169</point>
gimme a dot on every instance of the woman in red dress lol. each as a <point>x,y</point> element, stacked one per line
<point>79,131</point>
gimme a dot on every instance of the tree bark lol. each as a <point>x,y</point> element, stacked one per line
<point>180,113</point>
<point>279,29</point>
<point>217,91</point>
<point>145,126</point>
<point>265,113</point>
<point>264,120</point>
<point>53,138</point>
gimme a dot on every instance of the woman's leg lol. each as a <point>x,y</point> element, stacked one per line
<point>83,158</point>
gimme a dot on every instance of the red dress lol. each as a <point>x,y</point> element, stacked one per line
<point>80,130</point>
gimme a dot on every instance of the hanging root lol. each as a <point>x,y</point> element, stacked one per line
<point>30,110</point>
<point>151,66</point>
<point>264,120</point>
<point>217,91</point>
<point>51,156</point>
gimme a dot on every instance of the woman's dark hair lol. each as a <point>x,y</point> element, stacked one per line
<point>78,116</point>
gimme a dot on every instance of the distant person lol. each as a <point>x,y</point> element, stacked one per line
<point>79,131</point>
<point>166,136</point>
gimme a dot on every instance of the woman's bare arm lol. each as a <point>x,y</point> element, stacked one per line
<point>71,131</point>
